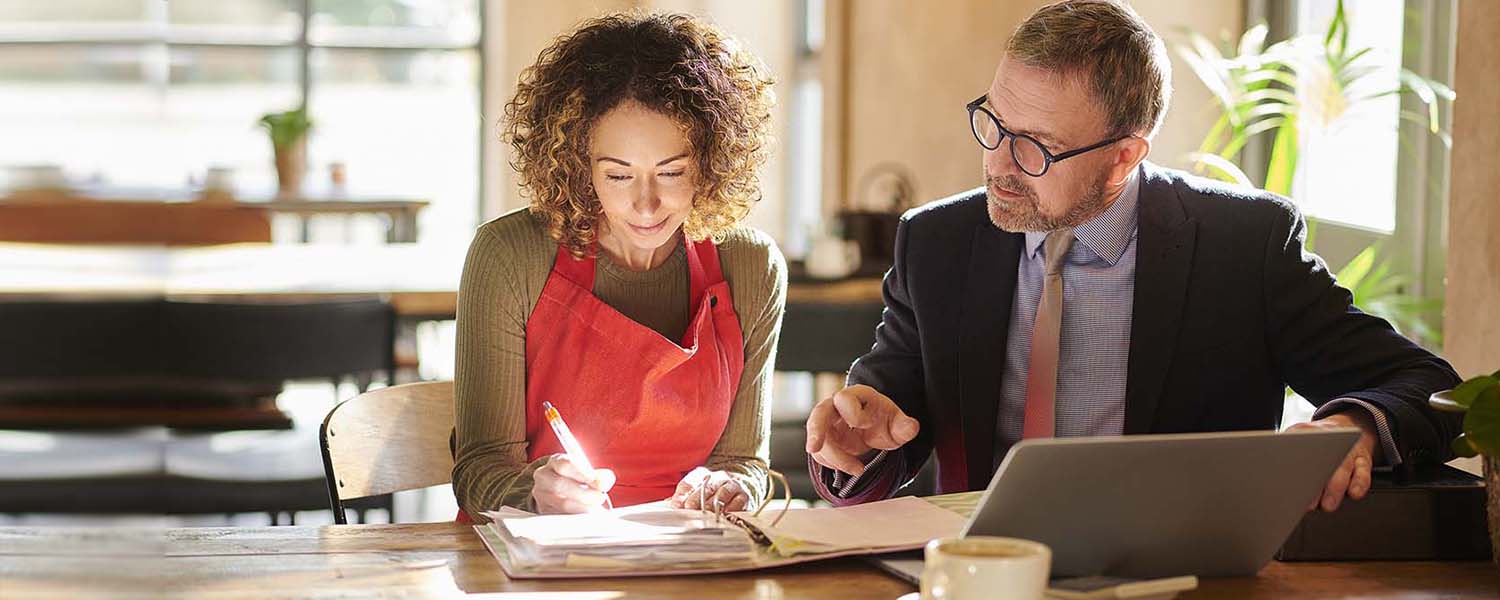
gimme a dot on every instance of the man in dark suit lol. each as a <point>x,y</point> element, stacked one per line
<point>1085,291</point>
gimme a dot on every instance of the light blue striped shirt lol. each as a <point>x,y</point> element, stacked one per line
<point>1094,346</point>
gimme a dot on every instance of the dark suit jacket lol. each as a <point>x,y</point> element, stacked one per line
<point>1229,308</point>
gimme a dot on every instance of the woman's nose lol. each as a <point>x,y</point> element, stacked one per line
<point>646,198</point>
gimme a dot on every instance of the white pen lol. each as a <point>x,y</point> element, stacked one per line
<point>570,445</point>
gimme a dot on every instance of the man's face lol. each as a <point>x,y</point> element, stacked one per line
<point>1059,112</point>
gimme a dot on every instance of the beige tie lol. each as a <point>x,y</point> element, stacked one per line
<point>1041,372</point>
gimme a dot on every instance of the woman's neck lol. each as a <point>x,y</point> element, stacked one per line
<point>636,259</point>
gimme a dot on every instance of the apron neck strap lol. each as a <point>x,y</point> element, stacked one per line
<point>580,271</point>
<point>704,270</point>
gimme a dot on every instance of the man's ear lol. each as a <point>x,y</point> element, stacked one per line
<point>1128,154</point>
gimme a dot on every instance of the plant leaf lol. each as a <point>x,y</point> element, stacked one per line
<point>1221,168</point>
<point>1254,40</point>
<point>1283,161</point>
<point>1208,71</point>
<point>1353,273</point>
<point>1482,424</point>
<point>1443,401</point>
<point>1462,448</point>
<point>1465,393</point>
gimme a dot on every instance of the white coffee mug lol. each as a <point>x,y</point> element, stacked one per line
<point>832,258</point>
<point>985,567</point>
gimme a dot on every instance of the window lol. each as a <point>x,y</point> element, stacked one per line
<point>1346,172</point>
<point>151,93</point>
<point>804,145</point>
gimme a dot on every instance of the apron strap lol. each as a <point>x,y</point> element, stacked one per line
<point>580,271</point>
<point>704,270</point>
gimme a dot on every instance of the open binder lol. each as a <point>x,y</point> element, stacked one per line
<point>653,539</point>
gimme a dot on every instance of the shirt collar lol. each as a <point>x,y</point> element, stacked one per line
<point>1107,234</point>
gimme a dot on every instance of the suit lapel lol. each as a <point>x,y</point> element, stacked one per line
<point>988,291</point>
<point>1164,254</point>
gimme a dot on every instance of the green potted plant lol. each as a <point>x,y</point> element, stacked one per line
<point>1479,400</point>
<point>1300,86</point>
<point>288,131</point>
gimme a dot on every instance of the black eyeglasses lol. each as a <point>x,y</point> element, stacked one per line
<point>1030,155</point>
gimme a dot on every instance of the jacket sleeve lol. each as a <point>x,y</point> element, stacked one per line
<point>894,368</point>
<point>1326,348</point>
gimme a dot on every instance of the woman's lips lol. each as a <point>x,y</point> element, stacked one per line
<point>649,230</point>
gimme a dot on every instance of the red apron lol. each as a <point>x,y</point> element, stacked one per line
<point>647,407</point>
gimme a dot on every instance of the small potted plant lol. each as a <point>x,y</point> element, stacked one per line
<point>288,131</point>
<point>1479,400</point>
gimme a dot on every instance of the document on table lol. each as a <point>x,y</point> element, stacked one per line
<point>654,539</point>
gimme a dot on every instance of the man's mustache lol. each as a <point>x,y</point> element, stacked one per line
<point>1008,183</point>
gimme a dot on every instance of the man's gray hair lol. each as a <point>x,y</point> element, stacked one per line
<point>1105,43</point>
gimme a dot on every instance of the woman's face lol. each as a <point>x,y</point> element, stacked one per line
<point>643,173</point>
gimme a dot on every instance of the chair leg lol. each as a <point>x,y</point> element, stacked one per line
<point>275,518</point>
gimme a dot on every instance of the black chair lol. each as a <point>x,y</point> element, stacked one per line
<point>128,370</point>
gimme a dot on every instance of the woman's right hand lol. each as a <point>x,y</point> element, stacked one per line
<point>559,486</point>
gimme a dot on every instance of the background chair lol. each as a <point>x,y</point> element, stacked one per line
<point>173,386</point>
<point>387,440</point>
<point>823,337</point>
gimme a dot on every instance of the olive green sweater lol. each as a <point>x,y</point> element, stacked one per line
<point>508,264</point>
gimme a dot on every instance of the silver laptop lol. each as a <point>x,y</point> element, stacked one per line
<point>1148,506</point>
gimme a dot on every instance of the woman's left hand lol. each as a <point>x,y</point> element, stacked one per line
<point>714,490</point>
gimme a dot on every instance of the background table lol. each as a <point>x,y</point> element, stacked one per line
<point>178,217</point>
<point>447,560</point>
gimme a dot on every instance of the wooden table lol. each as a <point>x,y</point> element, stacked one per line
<point>447,560</point>
<point>111,214</point>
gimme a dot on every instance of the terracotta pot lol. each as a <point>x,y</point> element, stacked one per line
<point>291,167</point>
<point>1492,487</point>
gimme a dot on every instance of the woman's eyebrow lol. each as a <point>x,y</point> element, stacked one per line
<point>678,157</point>
<point>626,163</point>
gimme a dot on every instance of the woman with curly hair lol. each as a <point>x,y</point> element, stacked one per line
<point>628,294</point>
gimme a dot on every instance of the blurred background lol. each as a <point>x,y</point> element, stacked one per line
<point>219,218</point>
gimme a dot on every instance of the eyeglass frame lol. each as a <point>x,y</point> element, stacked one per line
<point>1047,156</point>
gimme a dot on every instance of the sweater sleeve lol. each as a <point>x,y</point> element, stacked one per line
<point>756,272</point>
<point>490,468</point>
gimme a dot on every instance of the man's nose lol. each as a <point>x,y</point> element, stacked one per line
<point>998,162</point>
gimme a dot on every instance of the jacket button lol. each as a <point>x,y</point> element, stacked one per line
<point>713,301</point>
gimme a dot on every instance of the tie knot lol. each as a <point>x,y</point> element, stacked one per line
<point>1056,248</point>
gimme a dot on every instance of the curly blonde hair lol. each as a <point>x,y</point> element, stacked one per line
<point>675,64</point>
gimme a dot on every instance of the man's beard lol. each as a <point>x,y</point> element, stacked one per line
<point>1025,214</point>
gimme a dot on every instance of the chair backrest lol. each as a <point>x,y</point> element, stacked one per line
<point>388,440</point>
<point>261,341</point>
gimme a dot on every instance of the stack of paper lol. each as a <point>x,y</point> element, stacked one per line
<point>639,536</point>
<point>653,539</point>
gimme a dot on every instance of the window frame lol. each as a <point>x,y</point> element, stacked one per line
<point>157,34</point>
<point>1418,244</point>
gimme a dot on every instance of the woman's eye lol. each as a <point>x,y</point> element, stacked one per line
<point>618,177</point>
<point>673,174</point>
